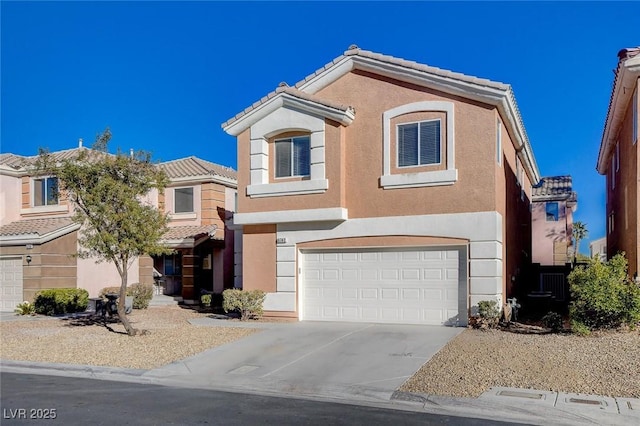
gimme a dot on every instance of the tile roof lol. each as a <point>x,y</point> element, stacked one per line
<point>190,231</point>
<point>193,167</point>
<point>355,51</point>
<point>554,188</point>
<point>38,227</point>
<point>12,160</point>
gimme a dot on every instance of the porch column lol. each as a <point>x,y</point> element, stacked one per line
<point>188,271</point>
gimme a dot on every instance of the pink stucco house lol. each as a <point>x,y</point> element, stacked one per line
<point>378,189</point>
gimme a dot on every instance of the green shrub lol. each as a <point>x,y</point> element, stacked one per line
<point>25,308</point>
<point>205,299</point>
<point>141,293</point>
<point>247,303</point>
<point>552,320</point>
<point>488,309</point>
<point>603,296</point>
<point>61,301</point>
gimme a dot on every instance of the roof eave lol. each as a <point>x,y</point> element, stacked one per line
<point>35,238</point>
<point>629,70</point>
<point>284,99</point>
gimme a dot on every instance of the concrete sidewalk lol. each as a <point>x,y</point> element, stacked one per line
<point>350,363</point>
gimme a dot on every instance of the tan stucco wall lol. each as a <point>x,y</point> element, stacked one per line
<point>51,265</point>
<point>213,198</point>
<point>94,276</point>
<point>624,200</point>
<point>259,246</point>
<point>184,219</point>
<point>547,235</point>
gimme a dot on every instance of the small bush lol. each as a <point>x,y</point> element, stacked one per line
<point>488,315</point>
<point>25,308</point>
<point>142,294</point>
<point>247,303</point>
<point>552,320</point>
<point>603,296</point>
<point>205,299</point>
<point>61,301</point>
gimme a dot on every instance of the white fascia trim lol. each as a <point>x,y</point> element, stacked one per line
<point>508,107</point>
<point>45,209</point>
<point>183,216</point>
<point>629,71</point>
<point>415,180</point>
<point>179,243</point>
<point>313,186</point>
<point>336,214</point>
<point>23,239</point>
<point>479,226</point>
<point>9,171</point>
<point>286,100</point>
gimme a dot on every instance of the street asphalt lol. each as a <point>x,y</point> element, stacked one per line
<point>350,362</point>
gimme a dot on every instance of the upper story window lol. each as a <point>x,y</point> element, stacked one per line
<point>183,200</point>
<point>419,143</point>
<point>293,157</point>
<point>552,212</point>
<point>45,191</point>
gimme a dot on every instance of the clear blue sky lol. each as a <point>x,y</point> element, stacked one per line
<point>164,75</point>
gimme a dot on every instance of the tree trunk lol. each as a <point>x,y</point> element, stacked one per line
<point>122,301</point>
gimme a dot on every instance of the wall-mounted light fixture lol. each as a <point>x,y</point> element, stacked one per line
<point>28,259</point>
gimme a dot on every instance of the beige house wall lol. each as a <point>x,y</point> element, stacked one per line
<point>10,194</point>
<point>259,245</point>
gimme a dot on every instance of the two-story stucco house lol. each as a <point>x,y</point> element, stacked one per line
<point>38,237</point>
<point>618,160</point>
<point>553,205</point>
<point>382,190</point>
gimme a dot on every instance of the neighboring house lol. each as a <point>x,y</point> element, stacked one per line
<point>598,248</point>
<point>382,190</point>
<point>618,160</point>
<point>553,205</point>
<point>200,201</point>
<point>38,239</point>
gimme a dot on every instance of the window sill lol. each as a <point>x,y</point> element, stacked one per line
<point>183,216</point>
<point>45,209</point>
<point>415,180</point>
<point>316,186</point>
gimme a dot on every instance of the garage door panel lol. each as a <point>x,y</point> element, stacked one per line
<point>396,286</point>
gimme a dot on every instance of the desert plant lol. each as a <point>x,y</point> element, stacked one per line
<point>247,303</point>
<point>25,308</point>
<point>603,296</point>
<point>488,315</point>
<point>552,320</point>
<point>61,301</point>
<point>142,295</point>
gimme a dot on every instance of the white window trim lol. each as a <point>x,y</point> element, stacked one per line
<point>33,194</point>
<point>398,140</point>
<point>277,122</point>
<point>193,202</point>
<point>431,178</point>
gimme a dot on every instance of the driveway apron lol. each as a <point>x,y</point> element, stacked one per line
<point>328,359</point>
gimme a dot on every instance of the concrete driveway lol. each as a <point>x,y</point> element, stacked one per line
<point>362,361</point>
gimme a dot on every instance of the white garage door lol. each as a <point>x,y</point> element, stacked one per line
<point>11,283</point>
<point>417,286</point>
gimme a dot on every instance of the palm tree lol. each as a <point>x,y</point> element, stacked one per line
<point>579,233</point>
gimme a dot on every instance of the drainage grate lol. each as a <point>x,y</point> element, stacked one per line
<point>521,394</point>
<point>587,401</point>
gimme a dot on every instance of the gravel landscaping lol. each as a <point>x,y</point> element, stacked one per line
<point>170,338</point>
<point>476,360</point>
<point>602,364</point>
